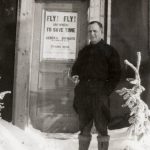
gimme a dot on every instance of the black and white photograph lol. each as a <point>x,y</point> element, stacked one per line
<point>74,74</point>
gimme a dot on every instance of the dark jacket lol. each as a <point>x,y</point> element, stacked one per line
<point>98,62</point>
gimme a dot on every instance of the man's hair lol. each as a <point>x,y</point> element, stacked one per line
<point>99,23</point>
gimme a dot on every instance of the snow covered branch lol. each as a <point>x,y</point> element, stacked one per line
<point>139,111</point>
<point>2,95</point>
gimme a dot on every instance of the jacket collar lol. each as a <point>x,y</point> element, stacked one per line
<point>100,42</point>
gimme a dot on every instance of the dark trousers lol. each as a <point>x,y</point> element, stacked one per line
<point>92,106</point>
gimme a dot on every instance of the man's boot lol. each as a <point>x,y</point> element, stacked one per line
<point>84,142</point>
<point>103,142</point>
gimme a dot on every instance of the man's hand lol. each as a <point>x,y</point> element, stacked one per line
<point>75,79</point>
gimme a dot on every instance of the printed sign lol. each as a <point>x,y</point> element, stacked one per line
<point>59,35</point>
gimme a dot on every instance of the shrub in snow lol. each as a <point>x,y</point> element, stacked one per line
<point>139,111</point>
<point>2,95</point>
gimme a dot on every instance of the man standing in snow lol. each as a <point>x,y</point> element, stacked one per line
<point>96,73</point>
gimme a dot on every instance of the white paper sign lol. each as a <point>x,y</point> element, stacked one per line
<point>59,38</point>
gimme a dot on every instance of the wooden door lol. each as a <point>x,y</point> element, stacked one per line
<point>60,30</point>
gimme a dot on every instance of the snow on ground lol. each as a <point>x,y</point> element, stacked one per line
<point>13,138</point>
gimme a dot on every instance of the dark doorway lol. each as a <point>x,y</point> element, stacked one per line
<point>7,51</point>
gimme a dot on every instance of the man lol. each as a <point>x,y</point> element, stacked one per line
<point>96,73</point>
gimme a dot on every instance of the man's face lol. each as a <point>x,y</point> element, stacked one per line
<point>95,33</point>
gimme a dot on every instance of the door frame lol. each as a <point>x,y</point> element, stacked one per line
<point>24,37</point>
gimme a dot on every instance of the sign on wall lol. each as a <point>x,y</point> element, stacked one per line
<point>59,35</point>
